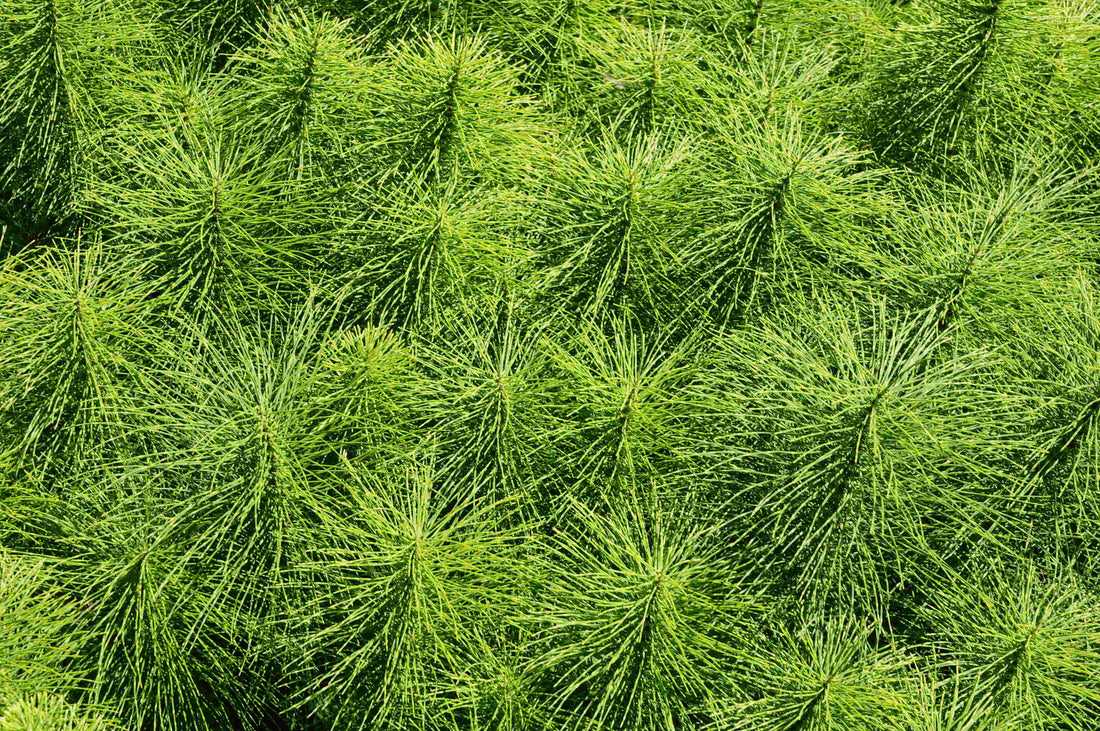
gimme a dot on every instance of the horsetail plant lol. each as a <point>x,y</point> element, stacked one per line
<point>541,365</point>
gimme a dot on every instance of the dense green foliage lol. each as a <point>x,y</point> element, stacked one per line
<point>524,365</point>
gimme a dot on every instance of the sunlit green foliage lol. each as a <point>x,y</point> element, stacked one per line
<point>549,365</point>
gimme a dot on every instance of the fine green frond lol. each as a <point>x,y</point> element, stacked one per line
<point>788,210</point>
<point>218,25</point>
<point>384,22</point>
<point>50,712</point>
<point>56,61</point>
<point>645,79</point>
<point>1060,472</point>
<point>545,36</point>
<point>179,97</point>
<point>422,248</point>
<point>244,430</point>
<point>640,619</point>
<point>777,76</point>
<point>399,592</point>
<point>484,395</point>
<point>628,409</point>
<point>990,254</point>
<point>851,440</point>
<point>450,106</point>
<point>217,219</point>
<point>156,651</point>
<point>35,645</point>
<point>970,77</point>
<point>947,703</point>
<point>613,218</point>
<point>361,379</point>
<point>304,81</point>
<point>821,675</point>
<point>1024,637</point>
<point>76,326</point>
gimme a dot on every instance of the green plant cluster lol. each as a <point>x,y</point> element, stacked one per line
<point>537,365</point>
